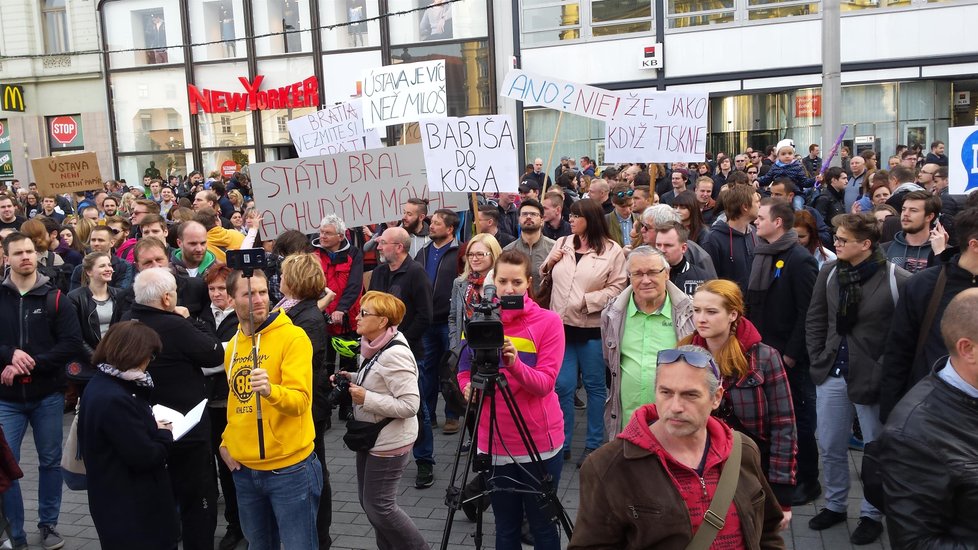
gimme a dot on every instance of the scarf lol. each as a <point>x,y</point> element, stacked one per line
<point>141,378</point>
<point>473,293</point>
<point>369,349</point>
<point>286,304</point>
<point>851,279</point>
<point>763,266</point>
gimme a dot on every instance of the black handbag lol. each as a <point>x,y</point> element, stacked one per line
<point>361,435</point>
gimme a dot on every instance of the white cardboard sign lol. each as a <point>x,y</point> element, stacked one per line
<point>408,92</point>
<point>336,129</point>
<point>474,154</point>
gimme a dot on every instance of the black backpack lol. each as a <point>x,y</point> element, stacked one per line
<point>60,275</point>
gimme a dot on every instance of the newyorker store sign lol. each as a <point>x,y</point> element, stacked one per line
<point>299,94</point>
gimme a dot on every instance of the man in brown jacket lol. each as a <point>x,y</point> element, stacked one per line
<point>651,487</point>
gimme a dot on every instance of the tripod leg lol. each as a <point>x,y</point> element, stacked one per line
<point>453,497</point>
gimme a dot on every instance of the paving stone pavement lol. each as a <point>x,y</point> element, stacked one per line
<point>352,531</point>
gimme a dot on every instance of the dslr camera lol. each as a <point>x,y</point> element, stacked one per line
<point>341,387</point>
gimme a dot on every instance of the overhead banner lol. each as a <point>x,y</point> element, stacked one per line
<point>474,154</point>
<point>408,92</point>
<point>336,129</point>
<point>641,125</point>
<point>361,187</point>
<point>66,173</point>
<point>962,159</point>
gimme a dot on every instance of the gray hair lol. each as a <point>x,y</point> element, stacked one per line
<point>152,284</point>
<point>335,221</point>
<point>659,214</point>
<point>712,382</point>
<point>645,251</point>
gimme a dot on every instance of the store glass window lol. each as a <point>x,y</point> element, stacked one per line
<point>853,5</point>
<point>223,129</point>
<point>168,163</point>
<point>579,136</point>
<point>219,25</point>
<point>774,9</point>
<point>466,68</point>
<point>151,110</point>
<point>215,158</point>
<point>869,103</point>
<point>55,26</point>
<point>288,21</point>
<point>550,21</point>
<point>694,13</point>
<point>351,30</point>
<point>278,73</point>
<point>343,74</point>
<point>439,21</point>
<point>610,17</point>
<point>152,25</point>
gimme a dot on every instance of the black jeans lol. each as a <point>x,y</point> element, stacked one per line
<point>321,412</point>
<point>194,483</point>
<point>219,421</point>
<point>803,397</point>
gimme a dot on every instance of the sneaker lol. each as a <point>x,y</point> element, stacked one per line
<point>866,532</point>
<point>579,403</point>
<point>825,519</point>
<point>426,475</point>
<point>584,455</point>
<point>231,539</point>
<point>7,545</point>
<point>50,539</point>
<point>451,426</point>
<point>856,444</point>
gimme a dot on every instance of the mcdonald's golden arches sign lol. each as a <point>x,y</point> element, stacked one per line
<point>13,97</point>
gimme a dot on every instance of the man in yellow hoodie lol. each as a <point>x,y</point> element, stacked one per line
<point>276,473</point>
<point>218,238</point>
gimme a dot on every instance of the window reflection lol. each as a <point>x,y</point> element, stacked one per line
<point>852,5</point>
<point>133,167</point>
<point>781,11</point>
<point>149,116</point>
<point>288,21</point>
<point>219,24</point>
<point>440,20</point>
<point>358,33</point>
<point>700,12</point>
<point>224,129</point>
<point>138,25</point>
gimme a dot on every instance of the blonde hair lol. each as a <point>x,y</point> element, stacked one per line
<point>304,275</point>
<point>384,305</point>
<point>731,358</point>
<point>84,229</point>
<point>489,242</point>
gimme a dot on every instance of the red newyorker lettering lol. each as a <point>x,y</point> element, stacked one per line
<point>304,93</point>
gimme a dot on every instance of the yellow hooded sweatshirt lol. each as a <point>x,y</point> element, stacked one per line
<point>285,353</point>
<point>220,239</point>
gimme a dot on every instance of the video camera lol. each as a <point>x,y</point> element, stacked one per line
<point>484,330</point>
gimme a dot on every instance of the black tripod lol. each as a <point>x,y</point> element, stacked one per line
<point>486,380</point>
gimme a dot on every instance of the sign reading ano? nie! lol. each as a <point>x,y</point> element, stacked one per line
<point>66,173</point>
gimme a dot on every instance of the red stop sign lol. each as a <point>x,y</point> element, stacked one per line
<point>228,168</point>
<point>64,129</point>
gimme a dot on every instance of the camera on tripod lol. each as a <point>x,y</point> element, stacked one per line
<point>484,330</point>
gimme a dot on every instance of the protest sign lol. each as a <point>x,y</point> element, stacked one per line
<point>408,92</point>
<point>66,173</point>
<point>654,126</point>
<point>641,125</point>
<point>361,187</point>
<point>962,159</point>
<point>475,154</point>
<point>336,129</point>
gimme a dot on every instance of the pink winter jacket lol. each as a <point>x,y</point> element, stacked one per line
<point>538,336</point>
<point>582,289</point>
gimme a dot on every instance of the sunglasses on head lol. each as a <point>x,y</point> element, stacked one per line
<point>694,358</point>
<point>623,194</point>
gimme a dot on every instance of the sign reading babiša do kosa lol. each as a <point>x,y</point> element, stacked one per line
<point>304,93</point>
<point>66,173</point>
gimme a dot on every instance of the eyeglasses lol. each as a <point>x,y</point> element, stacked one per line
<point>115,231</point>
<point>641,275</point>
<point>478,254</point>
<point>623,194</point>
<point>752,171</point>
<point>694,358</point>
<point>364,313</point>
<point>843,241</point>
<point>643,227</point>
<point>574,216</point>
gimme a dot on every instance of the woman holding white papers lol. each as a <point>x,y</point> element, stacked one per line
<point>124,447</point>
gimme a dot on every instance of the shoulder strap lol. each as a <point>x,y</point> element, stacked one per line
<point>894,291</point>
<point>831,274</point>
<point>366,370</point>
<point>52,301</point>
<point>715,517</point>
<point>935,300</point>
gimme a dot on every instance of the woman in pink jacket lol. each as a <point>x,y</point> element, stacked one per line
<point>530,362</point>
<point>588,271</point>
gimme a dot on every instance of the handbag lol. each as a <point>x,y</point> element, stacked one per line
<point>715,516</point>
<point>543,295</point>
<point>72,464</point>
<point>361,435</point>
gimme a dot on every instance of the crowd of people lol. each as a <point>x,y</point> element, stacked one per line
<point>755,309</point>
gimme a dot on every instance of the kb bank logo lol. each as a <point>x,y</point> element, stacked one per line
<point>13,98</point>
<point>963,159</point>
<point>969,157</point>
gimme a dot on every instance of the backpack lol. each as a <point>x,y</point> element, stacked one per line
<point>60,275</point>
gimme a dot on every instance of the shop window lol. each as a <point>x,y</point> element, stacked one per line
<point>133,167</point>
<point>283,72</point>
<point>149,122</point>
<point>440,21</point>
<point>288,21</point>
<point>220,26</point>
<point>213,160</point>
<point>351,30</point>
<point>773,9</point>
<point>229,128</point>
<point>579,136</point>
<point>693,13</point>
<point>344,72</point>
<point>152,24</point>
<point>611,17</point>
<point>462,76</point>
<point>853,5</point>
<point>55,26</point>
<point>548,22</point>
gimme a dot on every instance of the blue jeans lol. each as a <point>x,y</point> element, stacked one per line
<point>584,357</point>
<point>509,507</point>
<point>424,447</point>
<point>44,416</point>
<point>435,345</point>
<point>279,506</point>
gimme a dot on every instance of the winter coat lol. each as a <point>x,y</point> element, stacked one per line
<point>129,491</point>
<point>793,171</point>
<point>582,289</point>
<point>344,276</point>
<point>122,274</point>
<point>830,203</point>
<point>612,329</point>
<point>410,283</point>
<point>878,299</point>
<point>538,336</point>
<point>85,306</point>
<point>392,392</point>
<point>636,496</point>
<point>732,252</point>
<point>910,257</point>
